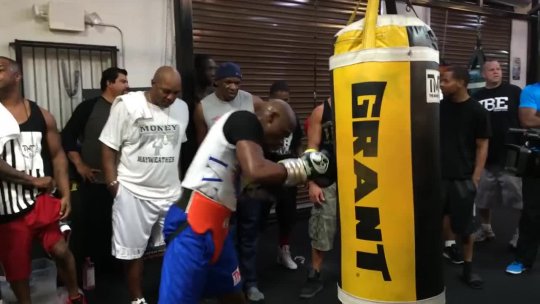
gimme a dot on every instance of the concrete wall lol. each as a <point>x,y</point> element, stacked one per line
<point>147,27</point>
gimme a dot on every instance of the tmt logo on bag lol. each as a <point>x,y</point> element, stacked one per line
<point>433,86</point>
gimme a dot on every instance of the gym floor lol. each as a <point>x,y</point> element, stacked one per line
<point>281,286</point>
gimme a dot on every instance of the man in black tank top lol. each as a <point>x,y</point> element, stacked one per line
<point>323,195</point>
<point>30,154</point>
<point>283,197</point>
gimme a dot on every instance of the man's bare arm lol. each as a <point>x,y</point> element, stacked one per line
<point>313,142</point>
<point>257,99</point>
<point>528,118</point>
<point>58,157</point>
<point>257,168</point>
<point>480,160</point>
<point>82,168</point>
<point>59,163</point>
<point>200,125</point>
<point>10,174</point>
<point>75,158</point>
<point>109,159</point>
<point>315,128</point>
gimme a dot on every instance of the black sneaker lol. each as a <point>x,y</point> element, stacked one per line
<point>473,280</point>
<point>453,254</point>
<point>313,285</point>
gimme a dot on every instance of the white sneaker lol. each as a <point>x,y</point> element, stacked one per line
<point>254,294</point>
<point>139,301</point>
<point>284,258</point>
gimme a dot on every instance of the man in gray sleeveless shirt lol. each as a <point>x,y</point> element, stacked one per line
<point>228,97</point>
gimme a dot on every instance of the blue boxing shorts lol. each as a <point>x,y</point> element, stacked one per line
<point>187,273</point>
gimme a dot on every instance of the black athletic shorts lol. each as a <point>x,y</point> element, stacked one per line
<point>458,202</point>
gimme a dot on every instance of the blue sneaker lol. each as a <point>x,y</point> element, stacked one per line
<point>516,268</point>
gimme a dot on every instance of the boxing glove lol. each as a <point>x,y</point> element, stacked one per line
<point>310,165</point>
<point>315,163</point>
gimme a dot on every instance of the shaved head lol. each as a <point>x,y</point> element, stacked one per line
<point>166,73</point>
<point>285,112</point>
<point>166,85</point>
<point>277,119</point>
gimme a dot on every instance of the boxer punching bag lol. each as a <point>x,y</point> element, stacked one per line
<point>386,106</point>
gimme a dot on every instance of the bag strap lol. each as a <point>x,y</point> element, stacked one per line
<point>182,203</point>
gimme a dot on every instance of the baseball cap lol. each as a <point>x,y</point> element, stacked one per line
<point>228,69</point>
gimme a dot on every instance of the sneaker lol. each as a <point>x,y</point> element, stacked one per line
<point>313,285</point>
<point>516,268</point>
<point>80,300</point>
<point>482,235</point>
<point>473,280</point>
<point>284,258</point>
<point>453,254</point>
<point>254,294</point>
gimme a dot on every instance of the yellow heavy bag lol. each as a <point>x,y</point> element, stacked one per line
<point>386,105</point>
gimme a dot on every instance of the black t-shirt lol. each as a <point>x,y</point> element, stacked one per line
<point>327,144</point>
<point>502,103</point>
<point>290,145</point>
<point>243,125</point>
<point>82,132</point>
<point>461,124</point>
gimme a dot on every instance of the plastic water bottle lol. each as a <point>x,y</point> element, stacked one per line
<point>89,275</point>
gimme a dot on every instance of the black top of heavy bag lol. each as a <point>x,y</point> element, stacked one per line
<point>477,81</point>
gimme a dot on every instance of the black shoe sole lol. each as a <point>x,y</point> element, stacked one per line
<point>447,257</point>
<point>312,294</point>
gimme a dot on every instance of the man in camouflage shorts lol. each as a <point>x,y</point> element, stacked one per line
<point>323,194</point>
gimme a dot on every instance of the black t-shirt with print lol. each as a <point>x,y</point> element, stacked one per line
<point>461,124</point>
<point>290,146</point>
<point>502,103</point>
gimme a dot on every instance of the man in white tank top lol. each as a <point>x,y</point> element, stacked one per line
<point>200,258</point>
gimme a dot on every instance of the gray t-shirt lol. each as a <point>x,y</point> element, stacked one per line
<point>91,146</point>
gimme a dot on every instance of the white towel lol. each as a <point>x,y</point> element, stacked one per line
<point>9,128</point>
<point>136,105</point>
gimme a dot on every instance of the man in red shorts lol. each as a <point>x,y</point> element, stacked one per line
<point>30,153</point>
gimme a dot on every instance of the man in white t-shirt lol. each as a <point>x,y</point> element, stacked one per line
<point>140,152</point>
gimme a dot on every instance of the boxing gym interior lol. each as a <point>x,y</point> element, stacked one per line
<point>433,202</point>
